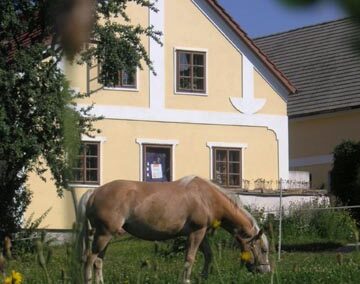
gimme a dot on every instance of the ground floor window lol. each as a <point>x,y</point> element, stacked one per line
<point>87,166</point>
<point>157,161</point>
<point>227,169</point>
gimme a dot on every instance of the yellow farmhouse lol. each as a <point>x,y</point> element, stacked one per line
<point>324,66</point>
<point>216,108</point>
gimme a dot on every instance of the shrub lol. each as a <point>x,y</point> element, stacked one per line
<point>304,224</point>
<point>345,175</point>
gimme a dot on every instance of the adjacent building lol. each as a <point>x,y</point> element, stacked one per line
<point>323,62</point>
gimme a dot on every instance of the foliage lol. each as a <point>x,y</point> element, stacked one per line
<point>24,241</point>
<point>129,260</point>
<point>40,123</point>
<point>345,175</point>
<point>309,223</point>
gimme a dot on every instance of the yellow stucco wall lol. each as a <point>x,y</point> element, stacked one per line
<point>139,97</point>
<point>319,135</point>
<point>223,64</point>
<point>275,104</point>
<point>120,158</point>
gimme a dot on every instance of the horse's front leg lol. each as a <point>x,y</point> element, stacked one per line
<point>194,241</point>
<point>206,250</point>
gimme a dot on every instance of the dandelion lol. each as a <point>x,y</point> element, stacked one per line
<point>245,256</point>
<point>216,224</point>
<point>15,278</point>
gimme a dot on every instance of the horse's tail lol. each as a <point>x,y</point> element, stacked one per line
<point>83,226</point>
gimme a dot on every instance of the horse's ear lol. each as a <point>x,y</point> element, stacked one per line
<point>257,236</point>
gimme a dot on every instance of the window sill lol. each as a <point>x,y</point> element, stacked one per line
<point>191,94</point>
<point>79,185</point>
<point>121,89</point>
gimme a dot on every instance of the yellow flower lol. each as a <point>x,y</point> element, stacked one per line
<point>216,224</point>
<point>8,280</point>
<point>245,256</point>
<point>17,277</point>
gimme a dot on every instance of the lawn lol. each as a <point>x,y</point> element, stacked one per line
<point>129,260</point>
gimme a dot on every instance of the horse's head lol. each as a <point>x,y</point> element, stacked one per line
<point>255,252</point>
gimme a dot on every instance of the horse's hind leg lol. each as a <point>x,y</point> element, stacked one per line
<point>206,250</point>
<point>100,242</point>
<point>98,266</point>
<point>194,241</point>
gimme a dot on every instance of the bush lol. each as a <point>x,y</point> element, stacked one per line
<point>304,225</point>
<point>345,175</point>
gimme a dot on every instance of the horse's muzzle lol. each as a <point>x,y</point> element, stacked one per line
<point>260,268</point>
<point>263,268</point>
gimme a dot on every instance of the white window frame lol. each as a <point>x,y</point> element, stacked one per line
<point>241,146</point>
<point>204,50</point>
<point>146,141</point>
<point>101,140</point>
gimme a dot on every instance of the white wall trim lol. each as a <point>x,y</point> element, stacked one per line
<point>277,123</point>
<point>142,141</point>
<point>248,104</point>
<point>311,161</point>
<point>157,56</point>
<point>226,145</point>
<point>206,51</point>
<point>86,138</point>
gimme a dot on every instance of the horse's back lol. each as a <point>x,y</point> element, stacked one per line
<point>161,206</point>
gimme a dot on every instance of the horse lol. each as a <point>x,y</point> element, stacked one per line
<point>157,211</point>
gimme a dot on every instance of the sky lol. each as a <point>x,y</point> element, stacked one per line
<point>264,17</point>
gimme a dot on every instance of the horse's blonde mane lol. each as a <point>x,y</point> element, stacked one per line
<point>186,180</point>
<point>236,203</point>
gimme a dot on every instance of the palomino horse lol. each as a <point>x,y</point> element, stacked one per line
<point>160,211</point>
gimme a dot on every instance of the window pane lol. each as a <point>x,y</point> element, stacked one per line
<point>234,168</point>
<point>199,59</point>
<point>234,180</point>
<point>128,78</point>
<point>91,149</point>
<point>184,58</point>
<point>220,168</point>
<point>199,72</point>
<point>220,155</point>
<point>92,175</point>
<point>79,163</point>
<point>78,175</point>
<point>220,179</point>
<point>185,70</point>
<point>198,84</point>
<point>185,83</point>
<point>91,163</point>
<point>234,156</point>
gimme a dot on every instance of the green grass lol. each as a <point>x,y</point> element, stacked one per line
<point>134,261</point>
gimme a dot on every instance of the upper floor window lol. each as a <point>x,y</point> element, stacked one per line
<point>87,166</point>
<point>191,71</point>
<point>121,79</point>
<point>227,166</point>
